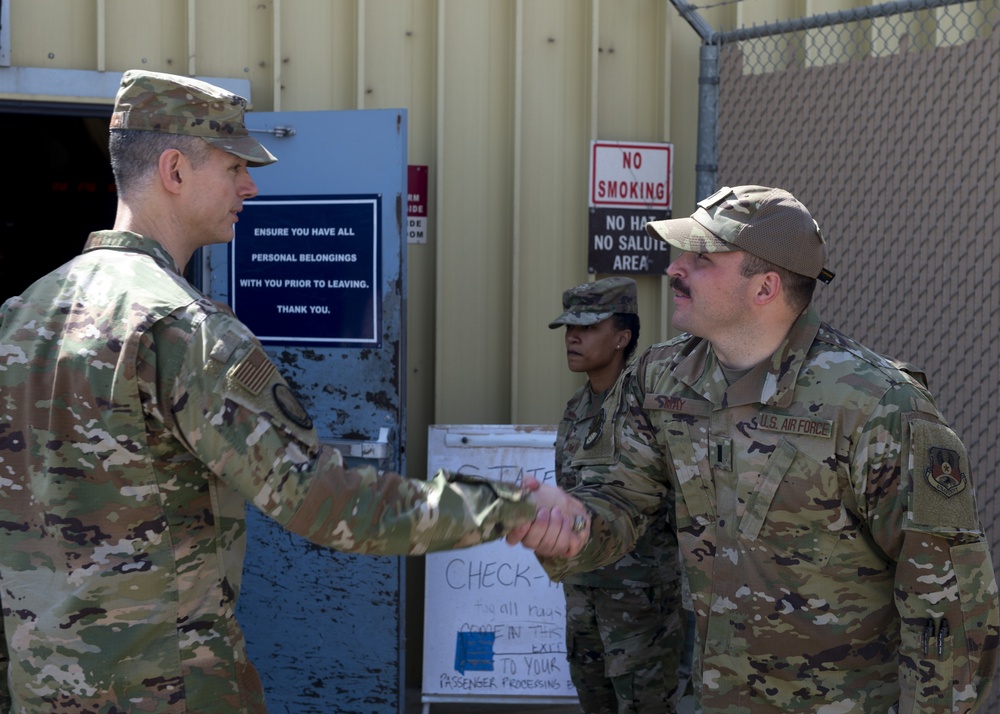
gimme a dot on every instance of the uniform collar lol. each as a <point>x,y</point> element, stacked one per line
<point>772,382</point>
<point>128,241</point>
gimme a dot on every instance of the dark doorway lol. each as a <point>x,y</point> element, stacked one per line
<point>59,189</point>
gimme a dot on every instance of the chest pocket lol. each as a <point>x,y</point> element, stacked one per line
<point>680,437</point>
<point>796,507</point>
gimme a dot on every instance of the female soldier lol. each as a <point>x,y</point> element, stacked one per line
<point>623,624</point>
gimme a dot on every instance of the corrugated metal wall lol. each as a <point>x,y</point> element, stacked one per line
<point>503,98</point>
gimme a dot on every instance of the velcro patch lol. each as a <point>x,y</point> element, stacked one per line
<point>676,405</point>
<point>290,405</point>
<point>224,347</point>
<point>942,493</point>
<point>599,446</point>
<point>254,371</point>
<point>596,429</point>
<point>805,426</point>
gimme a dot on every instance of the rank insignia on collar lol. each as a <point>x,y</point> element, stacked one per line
<point>944,473</point>
<point>596,429</point>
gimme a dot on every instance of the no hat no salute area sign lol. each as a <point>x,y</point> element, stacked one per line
<point>630,185</point>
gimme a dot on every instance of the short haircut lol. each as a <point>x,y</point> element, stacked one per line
<point>628,321</point>
<point>135,155</point>
<point>798,289</point>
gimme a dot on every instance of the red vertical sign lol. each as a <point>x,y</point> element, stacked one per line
<point>416,211</point>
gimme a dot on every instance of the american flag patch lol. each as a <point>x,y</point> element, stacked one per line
<point>254,371</point>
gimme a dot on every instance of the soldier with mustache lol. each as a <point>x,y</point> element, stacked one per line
<point>825,510</point>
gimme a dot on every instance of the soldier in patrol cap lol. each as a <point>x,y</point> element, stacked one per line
<point>139,417</point>
<point>623,625</point>
<point>825,511</point>
<point>589,303</point>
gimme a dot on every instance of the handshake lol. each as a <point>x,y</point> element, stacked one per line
<point>561,526</point>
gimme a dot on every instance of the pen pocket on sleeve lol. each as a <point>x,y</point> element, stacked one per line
<point>926,663</point>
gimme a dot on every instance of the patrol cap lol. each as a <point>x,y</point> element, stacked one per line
<point>590,303</point>
<point>769,223</point>
<point>168,103</point>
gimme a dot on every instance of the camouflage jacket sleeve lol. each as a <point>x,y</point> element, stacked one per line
<point>5,699</point>
<point>225,400</point>
<point>623,480</point>
<point>919,503</point>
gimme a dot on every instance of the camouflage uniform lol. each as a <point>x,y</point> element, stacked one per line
<point>624,638</point>
<point>827,523</point>
<point>138,417</point>
<point>623,624</point>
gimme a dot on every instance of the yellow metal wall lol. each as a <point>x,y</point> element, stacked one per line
<point>503,99</point>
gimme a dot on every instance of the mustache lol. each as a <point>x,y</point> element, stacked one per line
<point>676,284</point>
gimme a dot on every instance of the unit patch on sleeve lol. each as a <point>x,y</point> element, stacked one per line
<point>942,494</point>
<point>290,406</point>
<point>945,471</point>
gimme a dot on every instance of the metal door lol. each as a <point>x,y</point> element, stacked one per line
<point>317,270</point>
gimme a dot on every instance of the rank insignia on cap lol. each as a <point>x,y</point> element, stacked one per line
<point>254,371</point>
<point>596,429</point>
<point>290,405</point>
<point>944,473</point>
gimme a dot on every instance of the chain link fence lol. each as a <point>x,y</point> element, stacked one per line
<point>887,129</point>
<point>886,126</point>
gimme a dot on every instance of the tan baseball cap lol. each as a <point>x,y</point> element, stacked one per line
<point>169,103</point>
<point>590,303</point>
<point>769,223</point>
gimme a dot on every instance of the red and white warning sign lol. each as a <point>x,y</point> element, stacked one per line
<point>630,185</point>
<point>624,174</point>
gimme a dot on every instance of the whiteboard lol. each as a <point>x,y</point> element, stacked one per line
<point>494,624</point>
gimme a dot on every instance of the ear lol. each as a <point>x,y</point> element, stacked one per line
<point>768,288</point>
<point>625,336</point>
<point>172,170</point>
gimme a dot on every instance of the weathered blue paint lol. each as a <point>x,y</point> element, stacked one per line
<point>325,629</point>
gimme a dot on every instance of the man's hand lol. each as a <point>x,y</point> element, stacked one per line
<point>561,526</point>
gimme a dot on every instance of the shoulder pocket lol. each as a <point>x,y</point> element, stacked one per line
<point>943,497</point>
<point>251,380</point>
<point>598,446</point>
<point>681,435</point>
